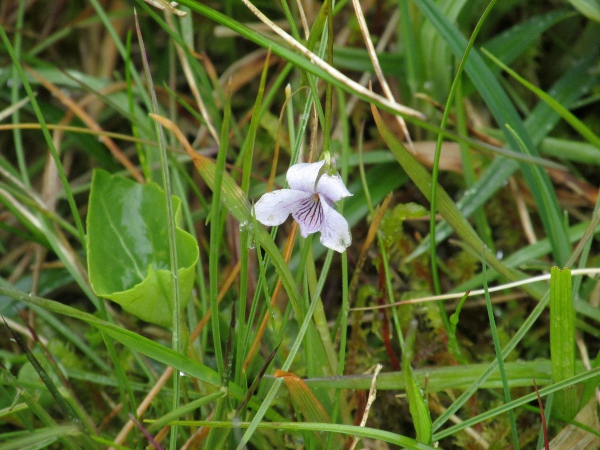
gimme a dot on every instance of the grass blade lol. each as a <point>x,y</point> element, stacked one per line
<point>505,113</point>
<point>562,339</point>
<point>500,358</point>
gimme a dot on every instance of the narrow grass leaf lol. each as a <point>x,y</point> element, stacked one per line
<point>532,397</point>
<point>499,357</point>
<point>562,338</point>
<point>351,430</point>
<point>215,236</point>
<point>188,408</point>
<point>563,112</point>
<point>40,438</point>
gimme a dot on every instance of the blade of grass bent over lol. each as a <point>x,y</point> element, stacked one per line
<point>352,430</point>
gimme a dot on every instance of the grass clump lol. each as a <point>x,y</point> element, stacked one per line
<point>144,302</point>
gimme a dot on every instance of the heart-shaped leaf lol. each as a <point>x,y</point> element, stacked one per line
<point>128,248</point>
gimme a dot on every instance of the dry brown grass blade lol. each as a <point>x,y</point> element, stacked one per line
<point>573,437</point>
<point>358,316</point>
<point>524,215</point>
<point>371,234</point>
<point>246,69</point>
<point>82,130</point>
<point>189,76</point>
<point>287,254</point>
<point>375,61</point>
<point>331,70</point>
<point>165,5</point>
<point>309,405</point>
<point>450,160</point>
<point>8,111</point>
<point>370,400</point>
<point>85,117</point>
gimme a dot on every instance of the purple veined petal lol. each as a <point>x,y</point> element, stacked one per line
<point>274,207</point>
<point>303,176</point>
<point>309,215</point>
<point>335,232</point>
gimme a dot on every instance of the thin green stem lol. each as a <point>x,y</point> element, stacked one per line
<point>436,163</point>
<point>499,357</point>
<point>174,264</point>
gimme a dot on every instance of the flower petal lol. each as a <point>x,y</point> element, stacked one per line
<point>332,187</point>
<point>335,232</point>
<point>274,207</point>
<point>303,176</point>
<point>309,215</point>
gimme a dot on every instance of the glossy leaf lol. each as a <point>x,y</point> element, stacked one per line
<point>128,248</point>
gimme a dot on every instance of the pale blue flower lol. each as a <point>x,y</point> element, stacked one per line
<point>310,202</point>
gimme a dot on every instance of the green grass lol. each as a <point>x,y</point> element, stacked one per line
<point>257,337</point>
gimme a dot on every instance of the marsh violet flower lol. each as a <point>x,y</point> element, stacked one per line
<point>313,191</point>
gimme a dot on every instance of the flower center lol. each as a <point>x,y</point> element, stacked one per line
<point>310,212</point>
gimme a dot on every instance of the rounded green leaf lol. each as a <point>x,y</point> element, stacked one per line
<point>128,248</point>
